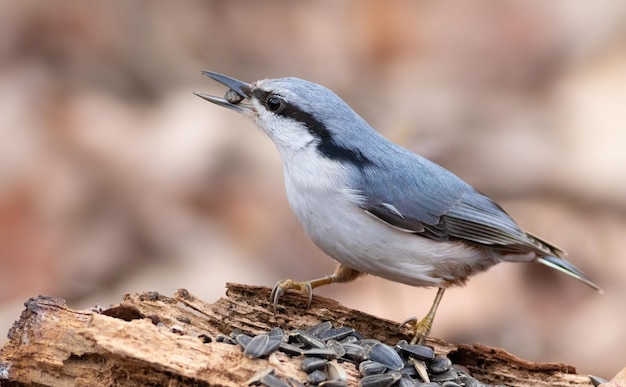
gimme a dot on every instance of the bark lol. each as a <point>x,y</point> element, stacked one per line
<point>152,339</point>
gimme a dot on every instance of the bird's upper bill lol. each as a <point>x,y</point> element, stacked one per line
<point>238,100</point>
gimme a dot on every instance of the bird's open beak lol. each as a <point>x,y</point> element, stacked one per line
<point>241,89</point>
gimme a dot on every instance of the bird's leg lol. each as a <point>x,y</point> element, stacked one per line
<point>341,274</point>
<point>422,328</point>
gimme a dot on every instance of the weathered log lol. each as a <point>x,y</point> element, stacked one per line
<point>152,339</point>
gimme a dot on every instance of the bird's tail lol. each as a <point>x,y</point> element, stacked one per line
<point>565,267</point>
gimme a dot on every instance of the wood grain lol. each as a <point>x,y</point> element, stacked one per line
<point>152,339</point>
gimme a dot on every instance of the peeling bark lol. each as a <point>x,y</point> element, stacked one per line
<point>152,339</point>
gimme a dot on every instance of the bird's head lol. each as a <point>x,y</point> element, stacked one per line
<point>298,115</point>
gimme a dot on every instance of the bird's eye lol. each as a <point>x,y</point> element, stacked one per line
<point>274,103</point>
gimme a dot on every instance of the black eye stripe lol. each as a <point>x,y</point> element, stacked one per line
<point>315,127</point>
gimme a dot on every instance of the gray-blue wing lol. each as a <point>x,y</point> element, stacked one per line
<point>432,202</point>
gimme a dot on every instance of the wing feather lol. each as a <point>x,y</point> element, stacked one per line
<point>436,204</point>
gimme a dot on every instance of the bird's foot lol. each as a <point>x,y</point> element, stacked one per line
<point>421,328</point>
<point>282,286</point>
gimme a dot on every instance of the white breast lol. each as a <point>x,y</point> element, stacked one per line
<point>330,215</point>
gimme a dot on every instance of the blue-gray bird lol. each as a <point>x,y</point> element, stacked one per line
<point>374,206</point>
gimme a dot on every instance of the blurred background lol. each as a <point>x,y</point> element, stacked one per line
<point>115,178</point>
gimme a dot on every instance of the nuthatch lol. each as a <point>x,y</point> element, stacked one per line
<point>374,206</point>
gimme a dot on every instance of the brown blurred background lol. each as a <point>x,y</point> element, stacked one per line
<point>115,178</point>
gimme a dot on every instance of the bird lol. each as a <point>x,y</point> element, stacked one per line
<point>374,206</point>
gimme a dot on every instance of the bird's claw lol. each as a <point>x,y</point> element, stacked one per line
<point>410,320</point>
<point>421,328</point>
<point>282,286</point>
<point>276,293</point>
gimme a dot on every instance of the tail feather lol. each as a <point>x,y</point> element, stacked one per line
<point>565,267</point>
<point>545,246</point>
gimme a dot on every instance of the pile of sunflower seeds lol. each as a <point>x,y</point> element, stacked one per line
<point>323,348</point>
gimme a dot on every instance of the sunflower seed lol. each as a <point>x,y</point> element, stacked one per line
<point>257,347</point>
<point>385,355</point>
<point>420,367</point>
<point>336,333</point>
<point>224,339</point>
<point>295,383</point>
<point>233,97</point>
<point>333,383</point>
<point>271,380</point>
<point>273,344</point>
<point>354,352</point>
<point>335,372</point>
<point>315,330</point>
<point>367,343</point>
<point>276,333</point>
<point>243,340</point>
<point>406,381</point>
<point>378,363</point>
<point>310,340</point>
<point>408,370</point>
<point>370,367</point>
<point>416,351</point>
<point>326,353</point>
<point>349,339</point>
<point>310,364</point>
<point>316,377</point>
<point>444,376</point>
<point>290,349</point>
<point>336,346</point>
<point>471,382</point>
<point>382,380</point>
<point>439,364</point>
